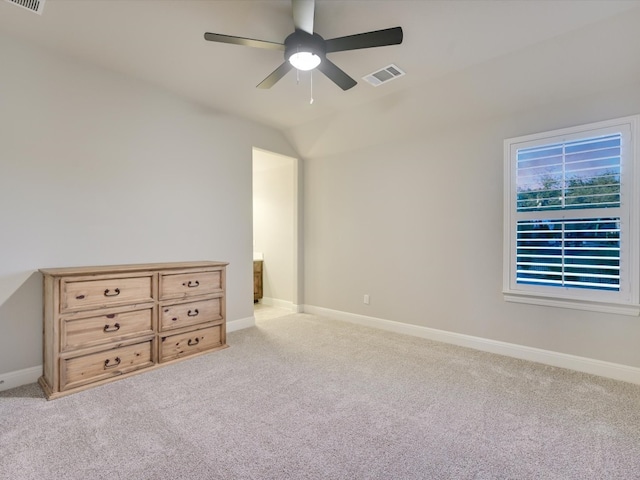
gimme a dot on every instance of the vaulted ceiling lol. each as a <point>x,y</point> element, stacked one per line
<point>457,54</point>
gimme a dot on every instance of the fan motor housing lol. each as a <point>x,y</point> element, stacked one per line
<point>301,41</point>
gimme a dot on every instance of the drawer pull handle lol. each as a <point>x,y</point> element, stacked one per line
<point>195,314</point>
<point>117,362</point>
<point>107,294</point>
<point>80,297</point>
<point>192,284</point>
<point>109,328</point>
<point>191,343</point>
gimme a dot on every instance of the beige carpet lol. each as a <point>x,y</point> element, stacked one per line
<point>301,397</point>
<point>263,312</point>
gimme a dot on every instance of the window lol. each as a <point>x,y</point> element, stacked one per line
<point>571,232</point>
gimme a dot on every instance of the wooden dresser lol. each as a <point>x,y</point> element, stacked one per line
<point>108,322</point>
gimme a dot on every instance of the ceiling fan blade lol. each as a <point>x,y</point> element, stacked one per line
<point>276,75</point>
<point>303,11</point>
<point>336,75</point>
<point>247,42</point>
<point>378,38</point>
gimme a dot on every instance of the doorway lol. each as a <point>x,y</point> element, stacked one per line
<point>276,232</point>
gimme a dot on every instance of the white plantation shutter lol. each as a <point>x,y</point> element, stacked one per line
<point>579,174</point>
<point>576,252</point>
<point>569,228</point>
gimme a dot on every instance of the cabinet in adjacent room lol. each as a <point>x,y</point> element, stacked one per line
<point>257,280</point>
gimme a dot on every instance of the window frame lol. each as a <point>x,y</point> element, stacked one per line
<point>626,300</point>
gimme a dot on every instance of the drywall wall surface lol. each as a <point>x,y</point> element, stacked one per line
<point>274,222</point>
<point>96,168</point>
<point>418,226</point>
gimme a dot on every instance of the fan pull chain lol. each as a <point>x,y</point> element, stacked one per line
<point>311,77</point>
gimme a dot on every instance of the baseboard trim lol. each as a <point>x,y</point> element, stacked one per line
<point>19,377</point>
<point>240,324</point>
<point>592,366</point>
<point>275,302</point>
<point>614,371</point>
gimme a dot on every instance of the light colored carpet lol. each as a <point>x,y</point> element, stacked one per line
<point>302,397</point>
<point>262,312</point>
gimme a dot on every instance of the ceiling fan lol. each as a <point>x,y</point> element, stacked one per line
<point>305,50</point>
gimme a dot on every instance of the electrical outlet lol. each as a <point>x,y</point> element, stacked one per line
<point>366,299</point>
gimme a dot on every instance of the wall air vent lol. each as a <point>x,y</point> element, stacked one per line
<point>384,75</point>
<point>33,5</point>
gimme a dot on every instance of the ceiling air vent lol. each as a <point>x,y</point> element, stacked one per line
<point>34,5</point>
<point>384,75</point>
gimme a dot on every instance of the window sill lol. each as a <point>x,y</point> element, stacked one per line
<point>615,308</point>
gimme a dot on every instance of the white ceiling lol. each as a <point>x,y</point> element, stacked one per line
<point>161,41</point>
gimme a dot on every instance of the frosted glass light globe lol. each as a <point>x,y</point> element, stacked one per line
<point>304,60</point>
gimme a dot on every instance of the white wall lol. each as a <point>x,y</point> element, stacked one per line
<point>417,224</point>
<point>408,206</point>
<point>97,169</point>
<point>274,223</point>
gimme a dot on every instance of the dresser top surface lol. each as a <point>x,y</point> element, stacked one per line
<point>134,267</point>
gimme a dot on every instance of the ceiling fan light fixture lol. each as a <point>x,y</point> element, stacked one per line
<point>305,60</point>
<point>305,50</point>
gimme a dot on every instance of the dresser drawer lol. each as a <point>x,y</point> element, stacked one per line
<point>86,294</point>
<point>181,285</point>
<point>106,364</point>
<point>191,313</point>
<point>190,343</point>
<point>85,332</point>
